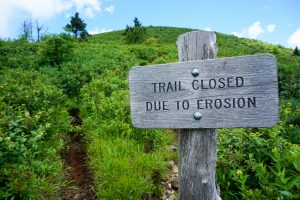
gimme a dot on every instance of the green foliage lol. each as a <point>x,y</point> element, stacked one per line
<point>290,115</point>
<point>55,49</point>
<point>289,76</point>
<point>258,164</point>
<point>166,35</point>
<point>243,153</point>
<point>261,163</point>
<point>17,54</point>
<point>125,171</point>
<point>163,35</point>
<point>135,34</point>
<point>151,41</point>
<point>32,117</point>
<point>154,54</point>
<point>70,77</point>
<point>77,27</point>
<point>128,163</point>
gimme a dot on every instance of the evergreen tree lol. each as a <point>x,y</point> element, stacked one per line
<point>77,27</point>
<point>137,23</point>
<point>135,34</point>
<point>296,52</point>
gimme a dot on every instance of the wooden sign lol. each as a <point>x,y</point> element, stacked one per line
<point>214,93</point>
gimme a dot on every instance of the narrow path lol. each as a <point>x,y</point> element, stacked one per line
<point>170,185</point>
<point>79,184</point>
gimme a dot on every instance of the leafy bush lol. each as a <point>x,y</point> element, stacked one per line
<point>289,77</point>
<point>153,54</point>
<point>18,54</point>
<point>151,41</point>
<point>135,34</point>
<point>259,163</point>
<point>85,66</point>
<point>32,116</point>
<point>71,78</point>
<point>55,49</point>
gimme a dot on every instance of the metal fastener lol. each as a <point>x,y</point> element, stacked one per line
<point>197,115</point>
<point>195,72</point>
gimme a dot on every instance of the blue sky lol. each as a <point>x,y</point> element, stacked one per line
<point>273,21</point>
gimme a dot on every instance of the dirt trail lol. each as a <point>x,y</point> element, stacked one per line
<point>76,168</point>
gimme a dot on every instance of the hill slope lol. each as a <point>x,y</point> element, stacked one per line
<point>59,74</point>
<point>228,46</point>
<point>243,153</point>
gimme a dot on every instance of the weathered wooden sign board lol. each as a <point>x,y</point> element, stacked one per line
<point>214,93</point>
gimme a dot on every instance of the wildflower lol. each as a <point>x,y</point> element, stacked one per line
<point>27,114</point>
<point>239,172</point>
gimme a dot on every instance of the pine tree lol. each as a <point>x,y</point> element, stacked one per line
<point>135,34</point>
<point>296,52</point>
<point>77,27</point>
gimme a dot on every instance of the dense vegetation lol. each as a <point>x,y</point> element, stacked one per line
<point>41,81</point>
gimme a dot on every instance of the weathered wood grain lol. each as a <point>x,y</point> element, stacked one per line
<point>197,164</point>
<point>197,147</point>
<point>259,75</point>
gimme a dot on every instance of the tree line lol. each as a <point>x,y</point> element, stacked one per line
<point>76,27</point>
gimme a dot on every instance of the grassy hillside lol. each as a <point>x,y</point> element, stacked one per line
<point>128,163</point>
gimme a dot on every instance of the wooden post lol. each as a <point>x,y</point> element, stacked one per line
<point>175,95</point>
<point>197,147</point>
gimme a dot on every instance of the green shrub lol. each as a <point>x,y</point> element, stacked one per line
<point>32,117</point>
<point>146,54</point>
<point>135,34</point>
<point>55,49</point>
<point>259,163</point>
<point>151,41</point>
<point>18,54</point>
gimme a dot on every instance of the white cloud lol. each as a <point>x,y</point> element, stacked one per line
<point>13,10</point>
<point>254,31</point>
<point>207,29</point>
<point>110,9</point>
<point>238,34</point>
<point>4,23</point>
<point>89,12</point>
<point>88,7</point>
<point>271,28</point>
<point>294,39</point>
<point>62,6</point>
<point>98,30</point>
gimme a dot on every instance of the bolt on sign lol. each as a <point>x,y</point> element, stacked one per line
<point>214,93</point>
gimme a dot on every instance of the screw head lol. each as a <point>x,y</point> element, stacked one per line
<point>195,72</point>
<point>197,115</point>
